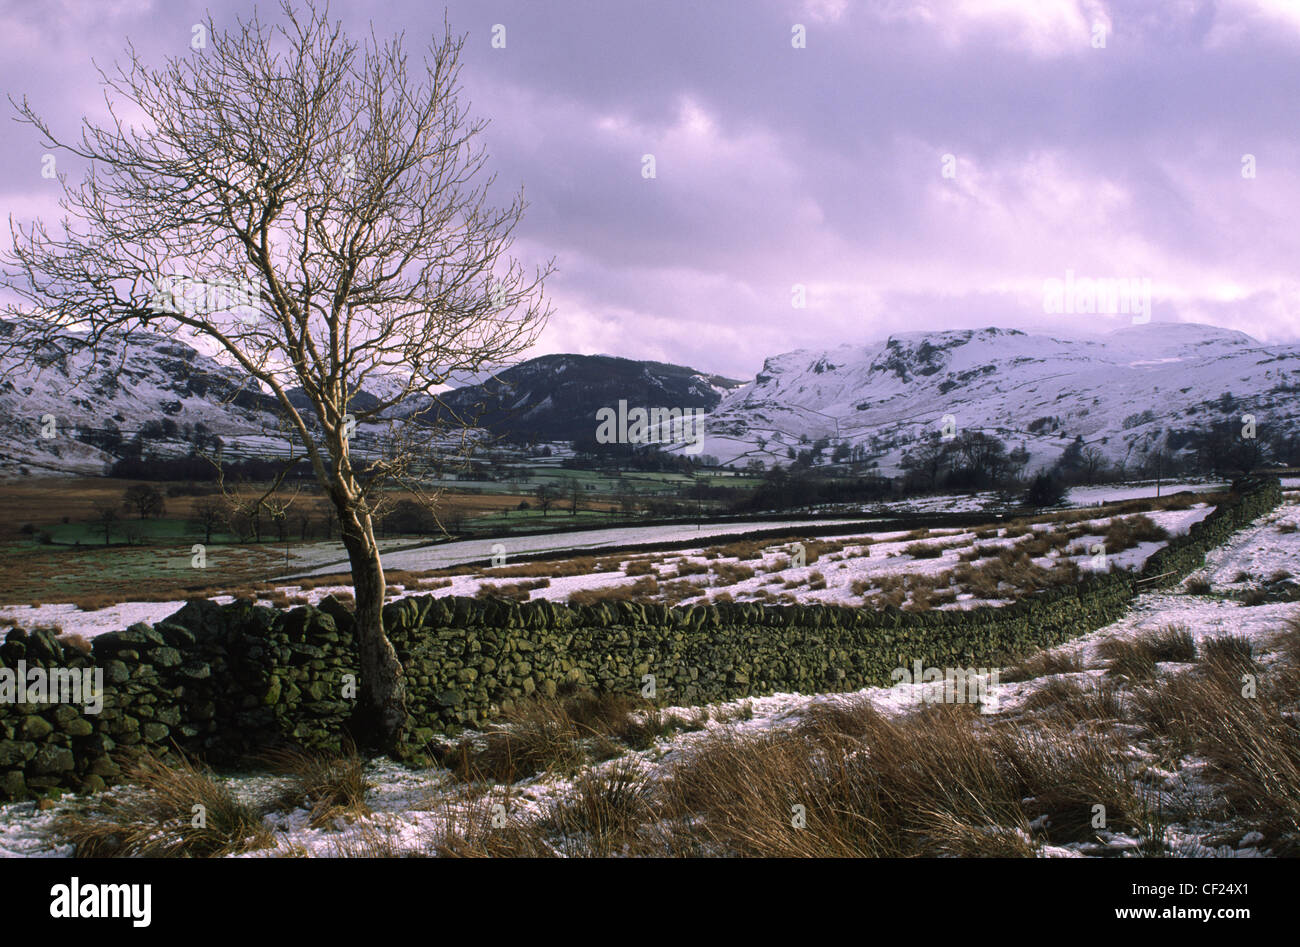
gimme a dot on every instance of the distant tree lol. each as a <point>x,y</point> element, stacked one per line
<point>106,518</point>
<point>983,456</point>
<point>1017,460</point>
<point>1045,489</point>
<point>206,515</point>
<point>408,516</point>
<point>546,497</point>
<point>1071,460</point>
<point>145,499</point>
<point>1092,462</point>
<point>925,462</point>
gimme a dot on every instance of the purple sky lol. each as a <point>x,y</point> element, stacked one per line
<point>822,166</point>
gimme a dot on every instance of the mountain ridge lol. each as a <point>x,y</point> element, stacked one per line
<point>884,396</point>
<point>1123,392</point>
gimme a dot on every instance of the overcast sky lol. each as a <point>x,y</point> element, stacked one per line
<point>824,165</point>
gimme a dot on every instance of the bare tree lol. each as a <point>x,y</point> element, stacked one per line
<point>546,496</point>
<point>926,460</point>
<point>1092,462</point>
<point>145,499</point>
<point>106,515</point>
<point>330,210</point>
<point>206,515</point>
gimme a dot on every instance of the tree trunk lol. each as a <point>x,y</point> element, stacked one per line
<point>381,716</point>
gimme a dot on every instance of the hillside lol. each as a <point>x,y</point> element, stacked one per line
<point>555,397</point>
<point>1120,392</point>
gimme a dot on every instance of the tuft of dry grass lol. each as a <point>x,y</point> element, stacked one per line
<point>1125,533</point>
<point>562,735</point>
<point>164,811</point>
<point>328,786</point>
<point>690,567</point>
<point>1233,653</point>
<point>851,783</point>
<point>671,593</point>
<point>75,641</point>
<point>606,811</point>
<point>485,828</point>
<point>1076,702</point>
<point>1136,658</point>
<point>513,591</point>
<point>1063,774</point>
<point>923,551</point>
<point>729,573</point>
<point>1287,641</point>
<point>742,549</point>
<point>1128,658</point>
<point>641,591</point>
<point>554,569</point>
<point>1170,643</point>
<point>1043,664</point>
<point>537,737</point>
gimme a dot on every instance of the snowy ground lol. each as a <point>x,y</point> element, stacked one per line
<point>482,550</point>
<point>410,807</point>
<point>992,502</point>
<point>1113,492</point>
<point>843,576</point>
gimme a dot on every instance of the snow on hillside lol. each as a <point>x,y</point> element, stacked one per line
<point>62,407</point>
<point>1119,391</point>
<point>136,377</point>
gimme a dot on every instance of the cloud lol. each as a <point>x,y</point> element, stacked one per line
<point>823,166</point>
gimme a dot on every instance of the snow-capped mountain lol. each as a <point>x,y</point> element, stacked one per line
<point>59,407</point>
<point>65,409</point>
<point>1121,392</point>
<point>89,405</point>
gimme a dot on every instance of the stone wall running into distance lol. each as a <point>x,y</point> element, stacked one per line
<point>223,682</point>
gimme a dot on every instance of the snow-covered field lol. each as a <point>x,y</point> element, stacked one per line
<point>855,565</point>
<point>482,550</point>
<point>408,808</point>
<point>1114,492</point>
